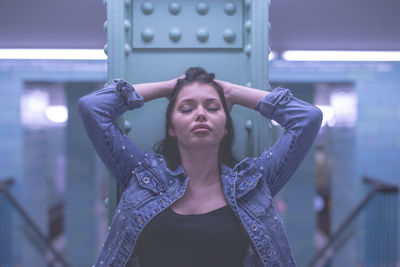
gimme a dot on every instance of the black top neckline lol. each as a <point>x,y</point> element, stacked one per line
<point>201,214</point>
<point>213,239</point>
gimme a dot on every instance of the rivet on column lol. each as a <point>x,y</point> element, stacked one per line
<point>202,34</point>
<point>127,25</point>
<point>269,26</point>
<point>229,35</point>
<point>174,8</point>
<point>248,84</point>
<point>247,49</point>
<point>230,8</point>
<point>202,8</point>
<point>247,25</point>
<point>105,49</point>
<point>248,125</point>
<point>147,34</point>
<point>175,34</point>
<point>147,7</point>
<point>127,3</point>
<point>105,2</point>
<point>105,25</point>
<point>247,3</point>
<point>127,49</point>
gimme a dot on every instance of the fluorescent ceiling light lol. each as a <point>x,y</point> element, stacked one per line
<point>330,55</point>
<point>66,54</point>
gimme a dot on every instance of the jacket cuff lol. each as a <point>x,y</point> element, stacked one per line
<point>128,93</point>
<point>268,104</point>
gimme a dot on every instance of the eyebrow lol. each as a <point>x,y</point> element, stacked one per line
<point>192,100</point>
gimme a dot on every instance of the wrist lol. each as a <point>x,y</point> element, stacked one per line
<point>169,87</point>
<point>233,91</point>
<point>246,96</point>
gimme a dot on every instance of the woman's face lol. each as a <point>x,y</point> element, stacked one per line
<point>198,117</point>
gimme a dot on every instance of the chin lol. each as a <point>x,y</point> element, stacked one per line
<point>201,144</point>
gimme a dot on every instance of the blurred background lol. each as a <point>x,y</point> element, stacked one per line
<point>340,209</point>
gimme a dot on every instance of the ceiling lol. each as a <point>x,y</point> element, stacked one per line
<point>296,24</point>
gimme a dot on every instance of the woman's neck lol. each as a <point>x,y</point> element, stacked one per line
<point>201,166</point>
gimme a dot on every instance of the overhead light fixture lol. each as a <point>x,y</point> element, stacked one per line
<point>336,55</point>
<point>60,54</point>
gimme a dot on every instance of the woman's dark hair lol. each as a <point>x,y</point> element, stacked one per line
<point>168,147</point>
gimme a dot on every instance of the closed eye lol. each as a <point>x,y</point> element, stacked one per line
<point>186,110</point>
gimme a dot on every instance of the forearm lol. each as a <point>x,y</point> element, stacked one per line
<point>98,111</point>
<point>301,122</point>
<point>245,96</point>
<point>153,90</point>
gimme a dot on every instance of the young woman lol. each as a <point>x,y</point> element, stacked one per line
<point>191,204</point>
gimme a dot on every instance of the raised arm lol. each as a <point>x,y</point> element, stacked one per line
<point>98,111</point>
<point>300,120</point>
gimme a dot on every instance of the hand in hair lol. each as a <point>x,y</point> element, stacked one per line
<point>226,86</point>
<point>171,84</point>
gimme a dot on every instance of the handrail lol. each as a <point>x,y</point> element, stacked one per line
<point>378,186</point>
<point>4,190</point>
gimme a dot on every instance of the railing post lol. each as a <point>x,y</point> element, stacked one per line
<point>381,227</point>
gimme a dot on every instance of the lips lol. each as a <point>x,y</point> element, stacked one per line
<point>201,126</point>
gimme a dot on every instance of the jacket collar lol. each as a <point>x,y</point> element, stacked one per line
<point>243,174</point>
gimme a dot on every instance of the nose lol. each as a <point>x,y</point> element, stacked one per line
<point>200,114</point>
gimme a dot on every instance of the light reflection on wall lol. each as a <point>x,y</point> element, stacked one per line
<point>43,105</point>
<point>57,114</point>
<point>338,103</point>
<point>344,105</point>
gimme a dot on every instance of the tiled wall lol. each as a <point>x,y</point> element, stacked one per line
<point>377,132</point>
<point>23,148</point>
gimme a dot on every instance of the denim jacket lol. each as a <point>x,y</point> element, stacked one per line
<point>150,186</point>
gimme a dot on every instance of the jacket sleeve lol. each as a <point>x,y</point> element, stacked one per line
<point>301,122</point>
<point>98,111</point>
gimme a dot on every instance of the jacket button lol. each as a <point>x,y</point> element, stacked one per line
<point>269,252</point>
<point>146,180</point>
<point>254,227</point>
<point>139,220</point>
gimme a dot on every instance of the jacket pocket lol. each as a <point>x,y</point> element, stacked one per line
<point>257,199</point>
<point>135,195</point>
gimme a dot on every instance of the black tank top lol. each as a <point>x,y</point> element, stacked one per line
<point>212,239</point>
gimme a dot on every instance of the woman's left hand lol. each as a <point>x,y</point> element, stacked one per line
<point>227,87</point>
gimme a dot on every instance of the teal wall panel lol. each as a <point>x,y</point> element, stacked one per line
<point>5,232</point>
<point>11,158</point>
<point>80,217</point>
<point>187,24</point>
